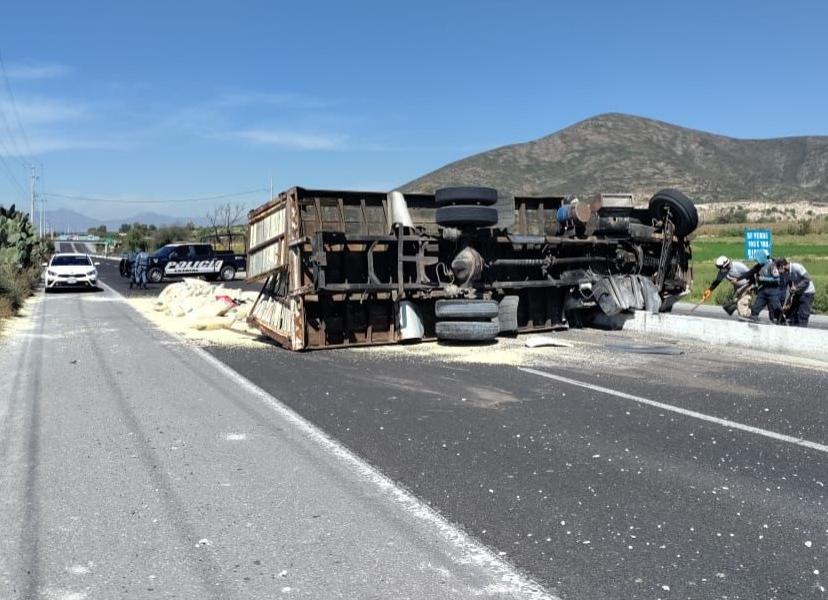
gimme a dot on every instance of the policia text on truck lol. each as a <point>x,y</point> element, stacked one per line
<point>189,259</point>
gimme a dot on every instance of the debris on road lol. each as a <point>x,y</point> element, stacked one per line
<point>647,349</point>
<point>539,341</point>
<point>202,311</point>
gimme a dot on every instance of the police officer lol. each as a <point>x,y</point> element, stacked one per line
<point>802,290</point>
<point>770,292</point>
<point>737,273</point>
<point>139,268</point>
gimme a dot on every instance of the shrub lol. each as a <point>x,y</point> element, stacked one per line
<point>6,308</point>
<point>724,293</point>
<point>821,301</point>
<point>803,227</point>
<point>16,284</point>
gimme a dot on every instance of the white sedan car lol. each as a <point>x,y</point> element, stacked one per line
<point>70,270</point>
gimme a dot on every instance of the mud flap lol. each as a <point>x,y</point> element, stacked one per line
<point>617,293</point>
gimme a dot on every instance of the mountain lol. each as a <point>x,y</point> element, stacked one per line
<point>616,152</point>
<point>153,218</point>
<point>66,220</point>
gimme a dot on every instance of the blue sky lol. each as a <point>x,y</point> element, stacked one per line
<point>173,100</point>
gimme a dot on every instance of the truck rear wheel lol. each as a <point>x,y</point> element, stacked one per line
<point>463,308</point>
<point>681,209</point>
<point>467,331</point>
<point>465,195</point>
<point>459,216</point>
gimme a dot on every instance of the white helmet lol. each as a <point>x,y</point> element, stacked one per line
<point>722,262</point>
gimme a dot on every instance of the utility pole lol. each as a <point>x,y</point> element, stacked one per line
<point>42,216</point>
<point>32,189</point>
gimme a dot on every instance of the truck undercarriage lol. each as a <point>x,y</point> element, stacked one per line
<point>353,268</point>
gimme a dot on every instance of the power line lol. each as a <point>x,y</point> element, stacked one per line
<point>117,201</point>
<point>14,108</point>
<point>12,150</point>
<point>5,150</point>
<point>11,177</point>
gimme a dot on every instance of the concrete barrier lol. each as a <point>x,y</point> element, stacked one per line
<point>812,343</point>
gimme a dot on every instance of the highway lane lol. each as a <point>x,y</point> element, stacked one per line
<point>594,495</point>
<point>134,466</point>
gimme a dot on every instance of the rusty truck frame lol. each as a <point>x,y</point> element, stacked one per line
<point>349,268</point>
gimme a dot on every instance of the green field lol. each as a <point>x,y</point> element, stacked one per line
<point>810,250</point>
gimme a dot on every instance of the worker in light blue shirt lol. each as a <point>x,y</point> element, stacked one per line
<point>738,274</point>
<point>801,289</point>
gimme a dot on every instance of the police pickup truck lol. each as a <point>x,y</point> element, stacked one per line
<point>194,260</point>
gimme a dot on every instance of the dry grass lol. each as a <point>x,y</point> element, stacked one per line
<point>15,286</point>
<point>6,308</point>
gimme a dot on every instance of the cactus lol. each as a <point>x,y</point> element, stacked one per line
<point>19,244</point>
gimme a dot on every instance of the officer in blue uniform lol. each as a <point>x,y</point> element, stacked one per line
<point>139,268</point>
<point>770,291</point>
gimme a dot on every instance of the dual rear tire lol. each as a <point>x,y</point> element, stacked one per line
<point>466,207</point>
<point>466,320</point>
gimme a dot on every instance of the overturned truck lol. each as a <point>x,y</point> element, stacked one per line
<point>344,268</point>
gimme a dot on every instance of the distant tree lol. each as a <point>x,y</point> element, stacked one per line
<point>133,238</point>
<point>223,218</point>
<point>169,234</point>
<point>125,227</point>
<point>737,215</point>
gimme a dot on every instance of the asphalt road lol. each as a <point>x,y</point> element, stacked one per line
<point>133,466</point>
<point>593,495</point>
<point>598,473</point>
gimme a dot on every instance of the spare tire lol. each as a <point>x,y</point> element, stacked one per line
<point>467,331</point>
<point>458,216</point>
<point>681,208</point>
<point>463,308</point>
<point>465,195</point>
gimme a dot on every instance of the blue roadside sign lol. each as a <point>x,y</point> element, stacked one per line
<point>757,239</point>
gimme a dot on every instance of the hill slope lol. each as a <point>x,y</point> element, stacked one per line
<point>615,152</point>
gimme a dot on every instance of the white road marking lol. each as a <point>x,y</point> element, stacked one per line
<point>470,551</point>
<point>235,437</point>
<point>683,411</point>
<point>78,570</point>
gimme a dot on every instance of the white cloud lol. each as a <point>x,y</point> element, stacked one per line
<point>36,71</point>
<point>291,140</point>
<point>47,144</point>
<point>280,99</point>
<point>43,110</point>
